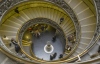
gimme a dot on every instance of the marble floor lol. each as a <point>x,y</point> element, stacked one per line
<point>39,43</point>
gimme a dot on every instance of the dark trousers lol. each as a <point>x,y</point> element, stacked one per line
<point>51,57</point>
<point>54,39</point>
<point>17,48</point>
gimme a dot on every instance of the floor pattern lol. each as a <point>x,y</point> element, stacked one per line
<point>39,43</point>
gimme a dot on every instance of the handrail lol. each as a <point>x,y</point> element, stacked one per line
<point>3,3</point>
<point>7,5</point>
<point>73,18</point>
<point>97,32</point>
<point>39,20</point>
<point>78,28</point>
<point>95,36</point>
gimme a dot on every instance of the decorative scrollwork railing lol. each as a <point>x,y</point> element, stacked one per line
<point>40,21</point>
<point>59,3</point>
<point>64,6</point>
<point>67,8</point>
<point>7,4</point>
<point>97,6</point>
<point>4,6</point>
<point>97,31</point>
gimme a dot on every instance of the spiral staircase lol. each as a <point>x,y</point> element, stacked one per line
<point>80,16</point>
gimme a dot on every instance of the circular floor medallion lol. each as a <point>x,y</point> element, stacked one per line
<point>48,48</point>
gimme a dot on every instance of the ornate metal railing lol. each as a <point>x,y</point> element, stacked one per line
<point>40,21</point>
<point>97,32</point>
<point>96,35</point>
<point>10,3</point>
<point>97,6</point>
<point>68,10</point>
<point>7,4</point>
<point>62,4</point>
<point>74,18</point>
<point>59,3</point>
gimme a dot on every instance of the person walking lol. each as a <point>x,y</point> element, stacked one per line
<point>17,47</point>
